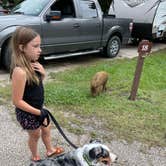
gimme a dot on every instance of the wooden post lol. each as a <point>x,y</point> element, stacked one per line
<point>143,49</point>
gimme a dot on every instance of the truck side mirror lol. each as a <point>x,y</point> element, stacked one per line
<point>53,15</point>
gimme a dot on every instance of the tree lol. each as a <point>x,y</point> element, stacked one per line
<point>105,4</point>
<point>10,3</point>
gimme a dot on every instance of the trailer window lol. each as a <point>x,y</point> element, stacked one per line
<point>88,9</point>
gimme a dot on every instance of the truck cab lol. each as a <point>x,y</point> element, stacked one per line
<point>67,28</point>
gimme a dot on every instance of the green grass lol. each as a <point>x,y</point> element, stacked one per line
<point>68,96</point>
<point>5,93</point>
<point>143,120</point>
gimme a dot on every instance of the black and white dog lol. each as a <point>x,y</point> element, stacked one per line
<point>92,154</point>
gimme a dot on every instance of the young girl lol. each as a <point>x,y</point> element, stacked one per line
<point>27,89</point>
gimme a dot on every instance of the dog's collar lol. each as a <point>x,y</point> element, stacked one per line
<point>87,159</point>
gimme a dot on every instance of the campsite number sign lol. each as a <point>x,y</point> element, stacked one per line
<point>144,49</point>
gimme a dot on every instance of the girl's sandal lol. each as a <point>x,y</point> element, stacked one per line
<point>57,151</point>
<point>36,158</point>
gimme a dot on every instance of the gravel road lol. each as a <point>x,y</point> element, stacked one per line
<point>13,140</point>
<point>14,150</point>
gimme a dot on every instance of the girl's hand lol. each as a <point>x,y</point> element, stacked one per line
<point>38,67</point>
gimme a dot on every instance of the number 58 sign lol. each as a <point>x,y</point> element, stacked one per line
<point>144,47</point>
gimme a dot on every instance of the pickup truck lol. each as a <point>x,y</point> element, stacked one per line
<point>67,28</point>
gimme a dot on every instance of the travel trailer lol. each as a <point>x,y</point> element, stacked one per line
<point>149,17</point>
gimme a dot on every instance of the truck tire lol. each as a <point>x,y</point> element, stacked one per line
<point>113,46</point>
<point>6,59</point>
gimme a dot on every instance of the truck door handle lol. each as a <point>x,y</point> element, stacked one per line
<point>76,25</point>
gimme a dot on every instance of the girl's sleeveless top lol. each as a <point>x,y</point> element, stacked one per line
<point>34,94</point>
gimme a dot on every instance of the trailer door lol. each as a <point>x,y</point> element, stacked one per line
<point>159,23</point>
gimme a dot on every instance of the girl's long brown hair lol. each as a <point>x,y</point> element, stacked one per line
<point>22,36</point>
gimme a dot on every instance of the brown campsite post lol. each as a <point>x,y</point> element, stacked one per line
<point>143,49</point>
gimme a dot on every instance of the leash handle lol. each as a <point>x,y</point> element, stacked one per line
<point>61,131</point>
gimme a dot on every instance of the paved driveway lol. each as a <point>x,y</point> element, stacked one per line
<point>128,51</point>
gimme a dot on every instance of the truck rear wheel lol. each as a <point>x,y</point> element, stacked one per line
<point>6,59</point>
<point>113,46</point>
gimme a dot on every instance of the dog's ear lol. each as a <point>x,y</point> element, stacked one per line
<point>97,152</point>
<point>94,153</point>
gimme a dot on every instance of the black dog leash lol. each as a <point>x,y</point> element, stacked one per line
<point>60,130</point>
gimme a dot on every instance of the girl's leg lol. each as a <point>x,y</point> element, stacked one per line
<point>46,137</point>
<point>34,136</point>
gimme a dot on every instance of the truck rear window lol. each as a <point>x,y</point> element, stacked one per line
<point>88,8</point>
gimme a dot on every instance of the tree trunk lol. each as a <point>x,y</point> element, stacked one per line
<point>105,4</point>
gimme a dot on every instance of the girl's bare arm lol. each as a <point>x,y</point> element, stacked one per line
<point>18,86</point>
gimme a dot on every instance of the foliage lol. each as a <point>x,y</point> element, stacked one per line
<point>105,4</point>
<point>10,3</point>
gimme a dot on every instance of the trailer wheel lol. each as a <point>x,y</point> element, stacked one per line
<point>6,53</point>
<point>113,46</point>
